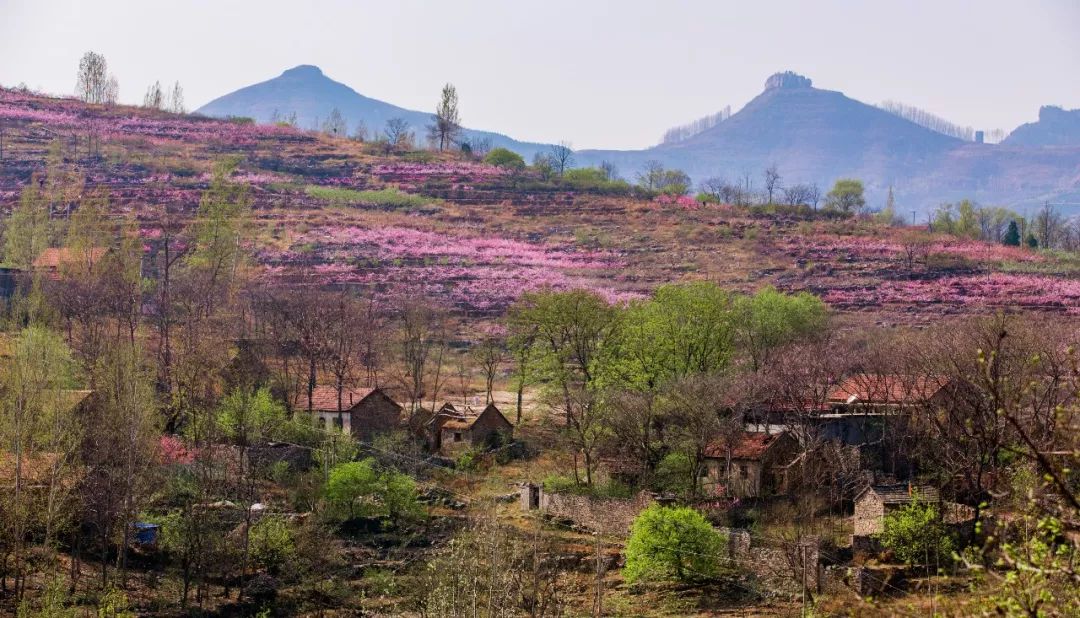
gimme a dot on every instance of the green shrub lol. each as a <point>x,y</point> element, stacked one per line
<point>672,543</point>
<point>381,198</point>
<point>557,483</point>
<point>359,489</point>
<point>272,544</point>
<point>502,157</point>
<point>915,534</point>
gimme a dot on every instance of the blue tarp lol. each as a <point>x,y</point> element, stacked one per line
<point>146,534</point>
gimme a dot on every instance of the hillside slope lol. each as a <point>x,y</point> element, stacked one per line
<point>473,237</point>
<point>312,96</point>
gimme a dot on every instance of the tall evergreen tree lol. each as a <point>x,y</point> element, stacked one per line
<point>1012,235</point>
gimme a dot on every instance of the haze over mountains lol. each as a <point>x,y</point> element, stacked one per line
<point>812,135</point>
<point>312,96</point>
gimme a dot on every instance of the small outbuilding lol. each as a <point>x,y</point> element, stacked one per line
<point>876,501</point>
<point>453,429</point>
<point>750,465</point>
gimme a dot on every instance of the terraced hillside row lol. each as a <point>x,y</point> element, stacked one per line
<point>474,236</point>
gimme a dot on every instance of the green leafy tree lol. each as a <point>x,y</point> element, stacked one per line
<point>1012,235</point>
<point>770,319</point>
<point>220,235</point>
<point>1032,242</point>
<point>40,436</point>
<point>502,157</point>
<point>27,228</point>
<point>847,196</point>
<point>655,177</point>
<point>1038,566</point>
<point>916,535</point>
<point>672,543</point>
<point>571,329</point>
<point>675,474</point>
<point>682,329</point>
<point>360,489</point>
<point>958,219</point>
<point>352,487</point>
<point>249,417</point>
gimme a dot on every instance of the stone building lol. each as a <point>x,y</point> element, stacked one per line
<point>362,412</point>
<point>876,501</point>
<point>750,465</point>
<point>452,429</point>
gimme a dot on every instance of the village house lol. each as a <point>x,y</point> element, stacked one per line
<point>862,406</point>
<point>362,412</point>
<point>53,260</point>
<point>451,429</point>
<point>855,411</point>
<point>749,466</point>
<point>37,470</point>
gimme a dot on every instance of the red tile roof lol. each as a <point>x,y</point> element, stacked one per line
<point>748,445</point>
<point>53,257</point>
<point>325,398</point>
<point>886,389</point>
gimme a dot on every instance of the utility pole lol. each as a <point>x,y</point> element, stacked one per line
<point>598,603</point>
<point>802,558</point>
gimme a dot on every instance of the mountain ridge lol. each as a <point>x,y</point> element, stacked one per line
<point>813,135</point>
<point>312,95</point>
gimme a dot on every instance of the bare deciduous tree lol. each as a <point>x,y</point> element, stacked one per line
<point>396,133</point>
<point>93,78</point>
<point>446,123</point>
<point>772,182</point>
<point>561,156</point>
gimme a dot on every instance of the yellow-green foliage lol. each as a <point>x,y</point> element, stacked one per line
<point>382,198</point>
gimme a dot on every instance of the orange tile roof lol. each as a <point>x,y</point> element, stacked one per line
<point>35,468</point>
<point>325,398</point>
<point>53,257</point>
<point>748,445</point>
<point>886,389</point>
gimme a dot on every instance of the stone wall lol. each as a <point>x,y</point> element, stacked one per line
<point>868,516</point>
<point>609,516</point>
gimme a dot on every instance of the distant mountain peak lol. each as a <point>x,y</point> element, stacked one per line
<point>304,70</point>
<point>787,80</point>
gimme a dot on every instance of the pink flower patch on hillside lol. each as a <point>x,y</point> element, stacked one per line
<point>477,272</point>
<point>869,247</point>
<point>457,170</point>
<point>993,290</point>
<point>121,122</point>
<point>413,244</point>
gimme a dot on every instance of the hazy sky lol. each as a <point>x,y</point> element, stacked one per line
<point>597,73</point>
